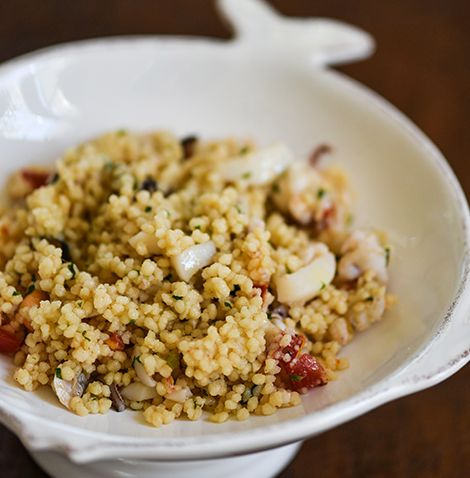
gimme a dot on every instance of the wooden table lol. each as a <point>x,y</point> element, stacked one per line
<point>422,65</point>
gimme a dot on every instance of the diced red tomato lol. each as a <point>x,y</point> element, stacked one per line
<point>305,372</point>
<point>115,342</point>
<point>9,344</point>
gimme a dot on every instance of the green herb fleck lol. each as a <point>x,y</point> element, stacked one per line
<point>228,304</point>
<point>238,209</point>
<point>54,179</point>
<point>320,193</point>
<point>177,297</point>
<point>197,227</point>
<point>295,378</point>
<point>236,288</point>
<point>80,304</point>
<point>148,208</point>
<point>246,175</point>
<point>30,289</point>
<point>369,299</point>
<point>204,391</point>
<point>71,268</point>
<point>33,278</point>
<point>15,293</point>
<point>136,358</point>
<point>387,256</point>
<point>288,270</point>
<point>135,184</point>
<point>138,272</point>
<point>58,373</point>
<point>94,399</point>
<point>85,337</point>
<point>168,277</point>
<point>244,150</point>
<point>109,166</point>
<point>270,316</point>
<point>323,285</point>
<point>276,188</point>
<point>121,132</point>
<point>132,321</point>
<point>172,360</point>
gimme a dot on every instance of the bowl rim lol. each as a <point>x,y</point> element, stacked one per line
<point>38,433</point>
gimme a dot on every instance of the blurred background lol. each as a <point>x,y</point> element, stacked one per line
<point>422,66</point>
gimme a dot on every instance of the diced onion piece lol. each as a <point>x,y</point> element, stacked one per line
<point>150,242</point>
<point>144,377</point>
<point>259,167</point>
<point>179,396</point>
<point>138,391</point>
<point>192,259</point>
<point>307,282</point>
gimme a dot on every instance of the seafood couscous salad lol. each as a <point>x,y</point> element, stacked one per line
<point>179,277</point>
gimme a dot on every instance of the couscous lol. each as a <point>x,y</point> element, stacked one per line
<point>179,277</point>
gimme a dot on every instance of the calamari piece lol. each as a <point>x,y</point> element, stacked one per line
<point>188,262</point>
<point>259,167</point>
<point>307,282</point>
<point>68,389</point>
<point>362,252</point>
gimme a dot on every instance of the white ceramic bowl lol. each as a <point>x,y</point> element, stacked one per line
<point>270,83</point>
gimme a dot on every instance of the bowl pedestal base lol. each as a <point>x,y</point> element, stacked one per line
<point>265,464</point>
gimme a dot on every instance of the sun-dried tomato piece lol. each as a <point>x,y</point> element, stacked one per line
<point>9,344</point>
<point>35,178</point>
<point>293,349</point>
<point>305,372</point>
<point>115,342</point>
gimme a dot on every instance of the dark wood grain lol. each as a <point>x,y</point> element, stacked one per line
<point>422,66</point>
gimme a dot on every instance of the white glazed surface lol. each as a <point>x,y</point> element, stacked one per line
<point>270,87</point>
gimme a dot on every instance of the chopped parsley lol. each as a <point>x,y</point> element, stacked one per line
<point>244,150</point>
<point>172,360</point>
<point>228,304</point>
<point>246,175</point>
<point>238,209</point>
<point>168,277</point>
<point>80,304</point>
<point>197,227</point>
<point>177,297</point>
<point>58,373</point>
<point>369,299</point>
<point>138,272</point>
<point>30,289</point>
<point>85,337</point>
<point>204,391</point>
<point>136,358</point>
<point>132,321</point>
<point>320,193</point>
<point>270,316</point>
<point>135,184</point>
<point>295,378</point>
<point>387,256</point>
<point>288,270</point>
<point>323,285</point>
<point>148,208</point>
<point>33,278</point>
<point>71,268</point>
<point>15,293</point>
<point>121,132</point>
